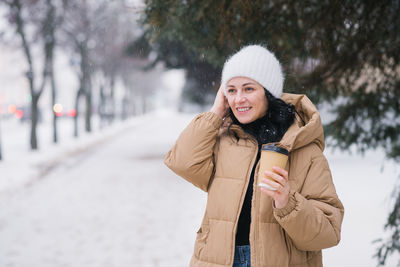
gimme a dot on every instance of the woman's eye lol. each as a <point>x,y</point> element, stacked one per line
<point>249,89</point>
<point>231,91</point>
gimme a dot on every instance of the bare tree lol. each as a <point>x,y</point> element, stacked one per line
<point>81,17</point>
<point>111,41</point>
<point>24,14</point>
<point>117,30</point>
<point>48,35</point>
<point>19,21</point>
<point>97,33</point>
<point>47,27</point>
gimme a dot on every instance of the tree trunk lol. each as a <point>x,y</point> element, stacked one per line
<point>88,113</point>
<point>49,40</point>
<point>49,52</point>
<point>53,91</point>
<point>34,121</point>
<point>102,107</point>
<point>53,102</point>
<point>112,98</point>
<point>77,98</point>
<point>16,8</point>
<point>86,84</point>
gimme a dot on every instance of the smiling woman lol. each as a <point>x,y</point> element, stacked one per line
<point>299,213</point>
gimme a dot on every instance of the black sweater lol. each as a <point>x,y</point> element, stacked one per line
<point>243,230</point>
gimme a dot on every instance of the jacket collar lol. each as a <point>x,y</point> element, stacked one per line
<point>307,127</point>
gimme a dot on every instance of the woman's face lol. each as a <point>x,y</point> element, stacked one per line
<point>247,99</point>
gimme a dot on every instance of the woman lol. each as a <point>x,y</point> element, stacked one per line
<point>218,152</point>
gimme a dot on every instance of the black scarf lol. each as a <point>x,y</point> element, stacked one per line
<point>262,129</point>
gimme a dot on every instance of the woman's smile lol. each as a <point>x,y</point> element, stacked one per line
<point>243,109</point>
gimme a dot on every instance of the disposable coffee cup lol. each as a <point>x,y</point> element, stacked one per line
<point>271,156</point>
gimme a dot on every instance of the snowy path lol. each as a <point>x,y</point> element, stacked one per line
<point>113,205</point>
<point>116,204</point>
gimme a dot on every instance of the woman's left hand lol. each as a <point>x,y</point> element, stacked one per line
<point>281,183</point>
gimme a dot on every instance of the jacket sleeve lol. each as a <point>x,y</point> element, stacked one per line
<point>313,218</point>
<point>192,155</point>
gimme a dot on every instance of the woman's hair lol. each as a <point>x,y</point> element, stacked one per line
<point>272,126</point>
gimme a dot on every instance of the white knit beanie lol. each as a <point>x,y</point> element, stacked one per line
<point>257,63</point>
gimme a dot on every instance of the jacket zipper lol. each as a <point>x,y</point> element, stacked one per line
<point>242,200</point>
<point>253,223</point>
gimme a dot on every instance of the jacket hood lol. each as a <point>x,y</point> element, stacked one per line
<point>307,127</point>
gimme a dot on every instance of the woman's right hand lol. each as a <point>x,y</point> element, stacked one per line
<point>220,106</point>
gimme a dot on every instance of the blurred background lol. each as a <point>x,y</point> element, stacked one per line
<point>93,93</point>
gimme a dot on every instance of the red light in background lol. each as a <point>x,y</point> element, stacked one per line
<point>19,114</point>
<point>59,114</point>
<point>72,113</point>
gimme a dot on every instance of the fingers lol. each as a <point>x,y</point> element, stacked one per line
<point>220,106</point>
<point>268,192</point>
<point>221,88</point>
<point>222,96</point>
<point>273,184</point>
<point>281,179</point>
<point>221,91</point>
<point>281,171</point>
<point>273,193</point>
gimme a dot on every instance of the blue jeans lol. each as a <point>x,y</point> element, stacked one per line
<point>242,256</point>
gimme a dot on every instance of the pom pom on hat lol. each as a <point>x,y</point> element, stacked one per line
<point>257,63</point>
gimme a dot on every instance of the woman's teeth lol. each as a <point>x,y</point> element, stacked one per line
<point>242,109</point>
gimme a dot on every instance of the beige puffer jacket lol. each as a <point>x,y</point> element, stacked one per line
<point>207,156</point>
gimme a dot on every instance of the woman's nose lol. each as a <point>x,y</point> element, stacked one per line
<point>240,98</point>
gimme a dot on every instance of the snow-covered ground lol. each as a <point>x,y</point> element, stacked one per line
<point>106,199</point>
